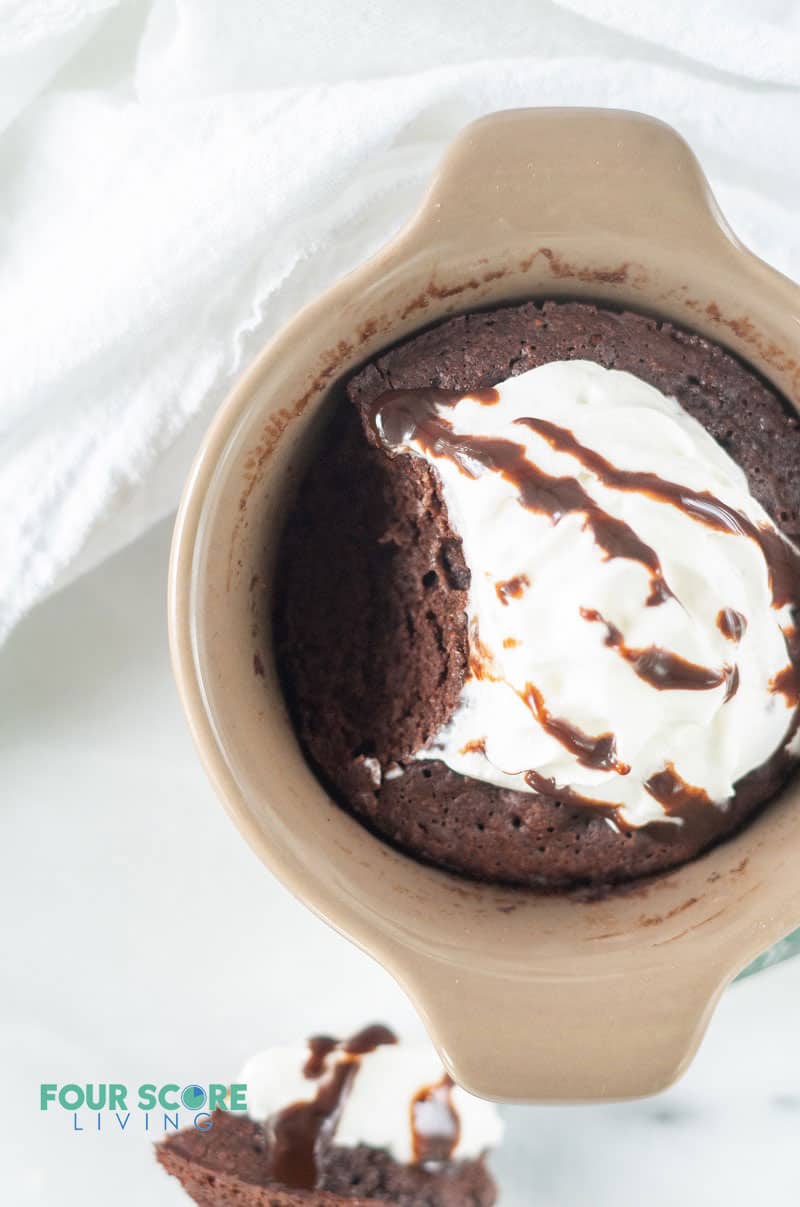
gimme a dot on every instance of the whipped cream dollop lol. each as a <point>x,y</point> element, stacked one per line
<point>630,607</point>
<point>384,1094</point>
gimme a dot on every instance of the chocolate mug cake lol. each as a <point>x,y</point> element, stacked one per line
<point>537,605</point>
<point>355,1122</point>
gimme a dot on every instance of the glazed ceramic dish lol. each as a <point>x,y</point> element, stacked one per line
<point>527,997</point>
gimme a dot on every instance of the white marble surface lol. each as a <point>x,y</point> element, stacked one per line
<point>143,941</point>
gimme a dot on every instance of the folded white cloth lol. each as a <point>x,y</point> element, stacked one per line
<point>179,176</point>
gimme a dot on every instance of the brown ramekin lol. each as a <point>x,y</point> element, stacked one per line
<point>526,997</point>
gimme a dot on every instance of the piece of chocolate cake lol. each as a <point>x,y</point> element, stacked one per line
<point>361,1122</point>
<point>534,624</point>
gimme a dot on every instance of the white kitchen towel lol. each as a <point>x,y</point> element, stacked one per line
<point>177,177</point>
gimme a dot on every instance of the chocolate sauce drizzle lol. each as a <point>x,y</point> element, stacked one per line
<point>512,588</point>
<point>680,801</point>
<point>547,787</point>
<point>319,1048</point>
<point>664,670</point>
<point>787,684</point>
<point>300,1130</point>
<point>481,658</point>
<point>731,624</point>
<point>402,416</point>
<point>299,1133</point>
<point>489,396</point>
<point>368,1039</point>
<point>783,561</point>
<point>435,1125</point>
<point>598,752</point>
<point>693,806</point>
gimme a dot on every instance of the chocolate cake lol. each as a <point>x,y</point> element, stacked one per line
<point>293,1157</point>
<point>227,1167</point>
<point>371,625</point>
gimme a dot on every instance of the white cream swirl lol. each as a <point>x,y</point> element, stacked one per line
<point>377,1108</point>
<point>565,631</point>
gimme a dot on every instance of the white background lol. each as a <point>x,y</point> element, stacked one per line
<point>144,942</point>
<point>177,177</point>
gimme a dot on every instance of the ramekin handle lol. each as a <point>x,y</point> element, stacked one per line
<point>568,1039</point>
<point>562,171</point>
